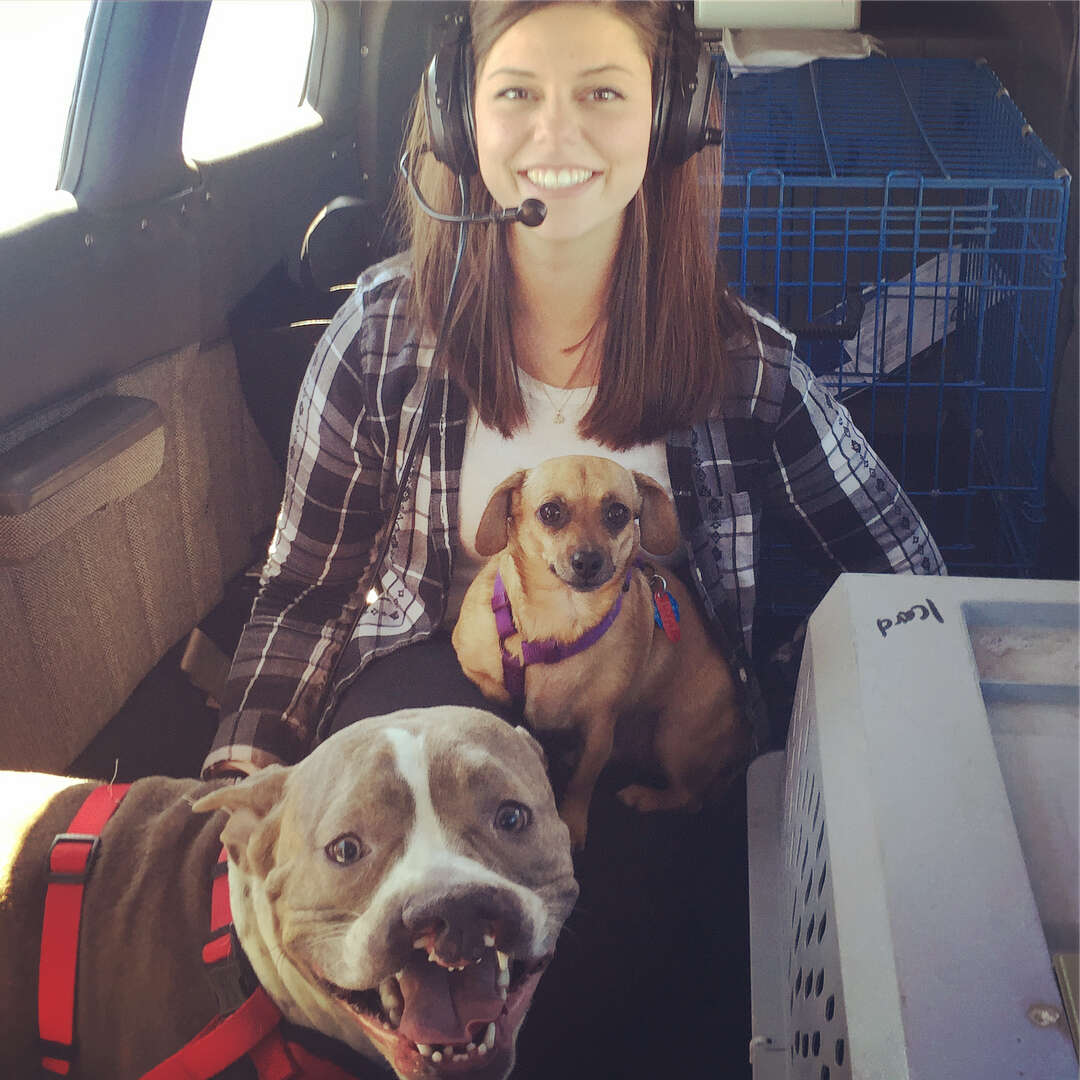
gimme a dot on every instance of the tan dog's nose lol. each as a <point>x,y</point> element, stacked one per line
<point>588,565</point>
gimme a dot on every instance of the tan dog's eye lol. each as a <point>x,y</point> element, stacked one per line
<point>512,817</point>
<point>616,515</point>
<point>345,850</point>
<point>551,514</point>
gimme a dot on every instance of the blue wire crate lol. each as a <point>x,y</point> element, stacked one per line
<point>905,221</point>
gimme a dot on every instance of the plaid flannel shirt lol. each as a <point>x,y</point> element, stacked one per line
<point>782,445</point>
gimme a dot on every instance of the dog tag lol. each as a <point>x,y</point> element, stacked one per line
<point>666,613</point>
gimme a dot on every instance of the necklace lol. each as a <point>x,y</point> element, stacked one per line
<point>558,417</point>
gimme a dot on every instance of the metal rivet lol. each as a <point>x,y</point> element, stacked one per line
<point>144,224</point>
<point>1044,1015</point>
<point>333,155</point>
<point>207,196</point>
<point>88,240</point>
<point>364,50</point>
<point>364,177</point>
<point>183,209</point>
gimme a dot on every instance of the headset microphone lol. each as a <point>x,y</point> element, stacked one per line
<point>530,213</point>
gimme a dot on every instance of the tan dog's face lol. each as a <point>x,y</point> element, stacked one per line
<point>581,517</point>
<point>408,881</point>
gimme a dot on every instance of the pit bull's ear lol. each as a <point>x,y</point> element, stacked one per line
<point>659,523</point>
<point>528,737</point>
<point>493,532</point>
<point>254,808</point>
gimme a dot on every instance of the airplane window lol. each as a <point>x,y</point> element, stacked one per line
<point>40,50</point>
<point>250,76</point>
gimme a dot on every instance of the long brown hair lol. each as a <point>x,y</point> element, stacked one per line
<point>668,317</point>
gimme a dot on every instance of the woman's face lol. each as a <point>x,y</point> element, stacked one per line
<point>563,108</point>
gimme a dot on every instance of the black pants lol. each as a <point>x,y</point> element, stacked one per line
<point>651,977</point>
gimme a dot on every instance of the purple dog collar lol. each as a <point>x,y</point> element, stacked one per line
<point>540,652</point>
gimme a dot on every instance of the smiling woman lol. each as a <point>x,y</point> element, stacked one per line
<point>564,113</point>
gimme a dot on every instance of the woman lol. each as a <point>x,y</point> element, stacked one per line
<point>603,330</point>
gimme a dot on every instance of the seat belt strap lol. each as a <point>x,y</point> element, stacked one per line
<point>70,860</point>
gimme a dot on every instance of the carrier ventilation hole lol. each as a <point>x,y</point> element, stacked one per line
<point>839,1052</point>
<point>821,926</point>
<point>825,1074</point>
<point>830,1007</point>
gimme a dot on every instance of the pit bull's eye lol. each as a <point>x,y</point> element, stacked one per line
<point>345,850</point>
<point>512,817</point>
<point>616,515</point>
<point>551,514</point>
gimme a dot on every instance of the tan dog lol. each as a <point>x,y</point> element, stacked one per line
<point>565,536</point>
<point>400,890</point>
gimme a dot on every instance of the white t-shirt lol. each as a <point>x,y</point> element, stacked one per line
<point>490,458</point>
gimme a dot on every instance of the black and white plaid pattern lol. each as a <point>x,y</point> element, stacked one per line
<point>782,446</point>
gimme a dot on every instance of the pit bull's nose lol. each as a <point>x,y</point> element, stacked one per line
<point>587,564</point>
<point>459,926</point>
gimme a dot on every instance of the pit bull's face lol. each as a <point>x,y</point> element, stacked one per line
<point>403,887</point>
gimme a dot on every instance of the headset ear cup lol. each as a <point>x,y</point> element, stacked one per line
<point>447,94</point>
<point>689,119</point>
<point>683,93</point>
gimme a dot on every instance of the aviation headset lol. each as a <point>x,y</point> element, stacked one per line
<point>682,89</point>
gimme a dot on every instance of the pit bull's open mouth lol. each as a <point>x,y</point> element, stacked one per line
<point>432,1016</point>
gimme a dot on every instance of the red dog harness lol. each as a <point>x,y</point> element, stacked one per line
<point>250,1026</point>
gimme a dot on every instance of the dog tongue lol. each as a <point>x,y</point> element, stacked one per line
<point>440,1005</point>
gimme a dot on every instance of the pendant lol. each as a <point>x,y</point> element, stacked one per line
<point>558,418</point>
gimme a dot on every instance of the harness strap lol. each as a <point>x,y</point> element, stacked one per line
<point>226,1040</point>
<point>70,860</point>
<point>548,651</point>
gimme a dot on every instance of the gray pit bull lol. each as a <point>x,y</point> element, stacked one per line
<point>399,890</point>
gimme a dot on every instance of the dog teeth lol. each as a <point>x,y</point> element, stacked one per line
<point>454,1052</point>
<point>392,999</point>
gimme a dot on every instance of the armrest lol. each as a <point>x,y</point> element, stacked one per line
<point>59,456</point>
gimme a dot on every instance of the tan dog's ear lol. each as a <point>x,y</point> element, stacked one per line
<point>493,532</point>
<point>254,812</point>
<point>659,523</point>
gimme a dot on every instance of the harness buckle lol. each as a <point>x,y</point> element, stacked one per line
<point>77,875</point>
<point>56,1058</point>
